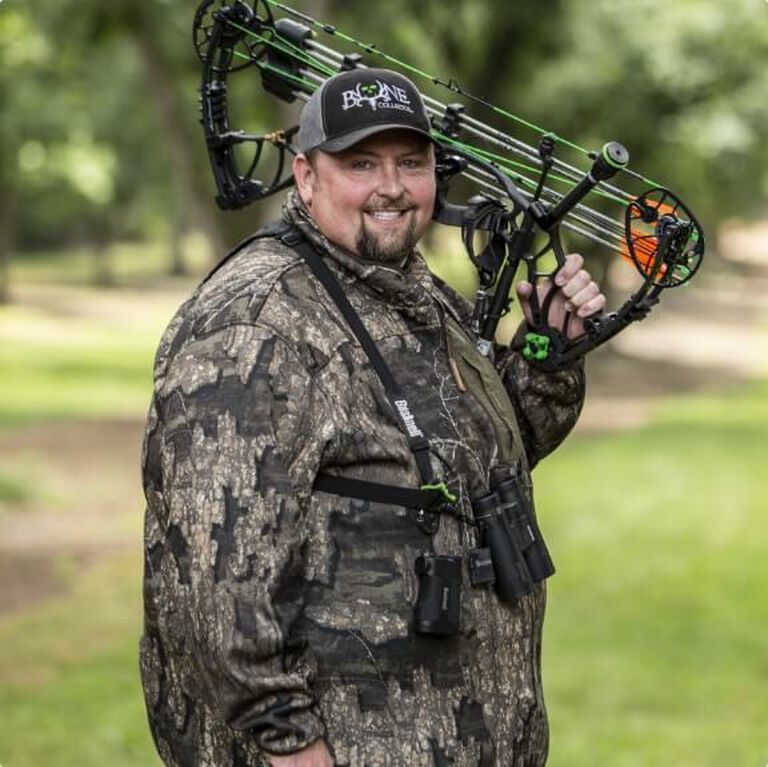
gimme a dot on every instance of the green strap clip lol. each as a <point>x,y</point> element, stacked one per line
<point>536,346</point>
<point>443,488</point>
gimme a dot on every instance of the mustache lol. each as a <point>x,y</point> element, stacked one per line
<point>388,205</point>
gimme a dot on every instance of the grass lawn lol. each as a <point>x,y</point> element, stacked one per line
<point>78,352</point>
<point>654,652</point>
<point>654,645</point>
<point>69,683</point>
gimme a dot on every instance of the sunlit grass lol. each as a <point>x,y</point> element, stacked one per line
<point>13,491</point>
<point>45,381</point>
<point>78,353</point>
<point>654,649</point>
<point>69,683</point>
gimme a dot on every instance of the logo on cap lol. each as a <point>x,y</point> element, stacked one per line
<point>376,95</point>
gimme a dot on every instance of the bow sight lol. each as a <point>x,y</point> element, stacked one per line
<point>516,207</point>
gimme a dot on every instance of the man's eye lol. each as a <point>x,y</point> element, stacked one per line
<point>412,163</point>
<point>361,164</point>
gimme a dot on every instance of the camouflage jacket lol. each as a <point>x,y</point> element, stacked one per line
<point>275,615</point>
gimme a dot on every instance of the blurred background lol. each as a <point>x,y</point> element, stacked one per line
<point>656,648</point>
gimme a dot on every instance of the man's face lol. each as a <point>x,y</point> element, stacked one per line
<point>374,199</point>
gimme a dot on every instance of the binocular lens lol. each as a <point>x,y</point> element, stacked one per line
<point>522,517</point>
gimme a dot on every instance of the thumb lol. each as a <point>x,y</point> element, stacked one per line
<point>524,291</point>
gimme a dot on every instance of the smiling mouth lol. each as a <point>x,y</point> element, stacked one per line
<point>387,215</point>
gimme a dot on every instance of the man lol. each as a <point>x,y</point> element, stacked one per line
<point>280,622</point>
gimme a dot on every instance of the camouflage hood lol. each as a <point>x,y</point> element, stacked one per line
<point>406,288</point>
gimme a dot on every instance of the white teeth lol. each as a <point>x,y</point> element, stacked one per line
<point>386,215</point>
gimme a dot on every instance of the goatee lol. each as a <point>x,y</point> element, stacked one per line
<point>385,250</point>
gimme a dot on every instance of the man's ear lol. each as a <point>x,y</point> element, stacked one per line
<point>304,174</point>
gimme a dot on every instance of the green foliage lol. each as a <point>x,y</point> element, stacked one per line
<point>679,84</point>
<point>87,153</point>
<point>90,158</point>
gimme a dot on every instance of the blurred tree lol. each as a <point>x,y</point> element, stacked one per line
<point>65,168</point>
<point>162,67</point>
<point>681,84</point>
<point>158,34</point>
<point>489,47</point>
<point>99,134</point>
<point>21,49</point>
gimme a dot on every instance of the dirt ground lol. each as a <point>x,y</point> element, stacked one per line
<point>91,507</point>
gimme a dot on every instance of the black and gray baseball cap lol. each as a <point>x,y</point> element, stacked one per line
<point>353,105</point>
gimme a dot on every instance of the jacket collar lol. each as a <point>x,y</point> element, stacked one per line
<point>407,287</point>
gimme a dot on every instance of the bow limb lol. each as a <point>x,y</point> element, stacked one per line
<point>228,39</point>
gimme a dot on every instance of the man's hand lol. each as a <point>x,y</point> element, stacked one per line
<point>316,755</point>
<point>576,292</point>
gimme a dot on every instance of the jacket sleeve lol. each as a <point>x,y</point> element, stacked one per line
<point>244,429</point>
<point>547,404</point>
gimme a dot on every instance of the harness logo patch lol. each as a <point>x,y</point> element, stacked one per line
<point>376,95</point>
<point>407,417</point>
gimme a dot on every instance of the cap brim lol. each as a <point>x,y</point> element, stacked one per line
<point>340,143</point>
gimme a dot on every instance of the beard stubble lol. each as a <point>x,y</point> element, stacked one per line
<point>374,248</point>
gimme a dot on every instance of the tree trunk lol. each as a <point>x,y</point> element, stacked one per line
<point>103,271</point>
<point>178,267</point>
<point>193,204</point>
<point>6,238</point>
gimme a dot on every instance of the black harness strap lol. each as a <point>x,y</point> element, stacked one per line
<point>275,229</point>
<point>432,496</point>
<point>409,497</point>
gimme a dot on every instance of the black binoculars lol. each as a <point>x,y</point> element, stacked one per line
<point>511,540</point>
<point>512,556</point>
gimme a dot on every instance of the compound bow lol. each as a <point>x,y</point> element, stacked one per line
<point>515,203</point>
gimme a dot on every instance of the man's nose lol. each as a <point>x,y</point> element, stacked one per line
<point>389,182</point>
